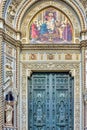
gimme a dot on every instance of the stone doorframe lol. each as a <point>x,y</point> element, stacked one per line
<point>27,68</point>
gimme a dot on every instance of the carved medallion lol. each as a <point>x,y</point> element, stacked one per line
<point>68,57</point>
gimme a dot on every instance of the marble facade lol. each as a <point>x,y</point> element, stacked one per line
<point>19,58</point>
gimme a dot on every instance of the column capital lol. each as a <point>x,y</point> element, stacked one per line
<point>72,72</point>
<point>18,35</point>
<point>29,72</point>
<point>83,34</point>
<point>83,43</point>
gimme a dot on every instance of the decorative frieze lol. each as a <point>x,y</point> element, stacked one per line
<point>50,57</point>
<point>68,57</point>
<point>27,56</point>
<point>33,57</point>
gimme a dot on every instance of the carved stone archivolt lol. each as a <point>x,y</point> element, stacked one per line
<point>84,3</point>
<point>12,9</point>
<point>29,68</point>
<point>14,5</point>
<point>29,3</point>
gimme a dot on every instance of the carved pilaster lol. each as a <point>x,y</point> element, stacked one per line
<point>83,63</point>
<point>17,81</point>
<point>83,46</point>
<point>85,109</point>
<point>85,94</point>
<point>17,66</point>
<point>15,113</point>
<point>1,82</point>
<point>85,89</point>
<point>1,23</point>
<point>83,35</point>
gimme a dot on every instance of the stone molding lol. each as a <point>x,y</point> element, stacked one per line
<point>71,46</point>
<point>45,46</point>
<point>1,83</point>
<point>9,26</point>
<point>9,39</point>
<point>85,96</point>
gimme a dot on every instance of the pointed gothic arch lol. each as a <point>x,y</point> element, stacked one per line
<point>26,17</point>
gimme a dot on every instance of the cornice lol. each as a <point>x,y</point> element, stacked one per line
<point>1,19</point>
<point>9,39</point>
<point>58,46</point>
<point>44,46</point>
<point>9,26</point>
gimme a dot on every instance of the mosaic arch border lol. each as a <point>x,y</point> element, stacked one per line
<point>25,71</point>
<point>27,19</point>
<point>28,4</point>
<point>47,23</point>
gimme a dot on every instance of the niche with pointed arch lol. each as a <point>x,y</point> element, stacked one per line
<point>50,26</point>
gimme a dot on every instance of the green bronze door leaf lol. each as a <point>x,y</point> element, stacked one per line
<point>50,101</point>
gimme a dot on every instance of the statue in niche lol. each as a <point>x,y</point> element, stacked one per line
<point>9,111</point>
<point>62,112</point>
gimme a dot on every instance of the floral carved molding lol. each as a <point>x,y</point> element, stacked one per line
<point>50,66</point>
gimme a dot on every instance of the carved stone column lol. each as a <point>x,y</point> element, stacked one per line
<point>17,106</point>
<point>15,110</point>
<point>17,81</point>
<point>83,117</point>
<point>85,110</point>
<point>85,83</point>
<point>1,80</point>
<point>83,35</point>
